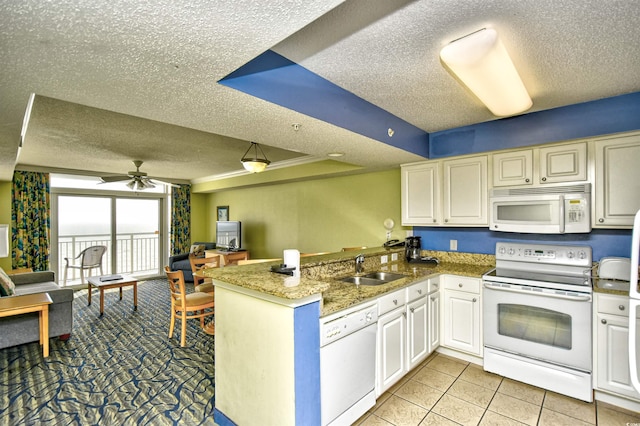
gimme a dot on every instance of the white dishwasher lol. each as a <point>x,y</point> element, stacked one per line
<point>348,364</point>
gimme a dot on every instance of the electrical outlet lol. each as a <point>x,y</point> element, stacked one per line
<point>394,257</point>
<point>384,259</point>
<point>453,245</point>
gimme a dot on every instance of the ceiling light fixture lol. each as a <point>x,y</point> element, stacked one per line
<point>482,63</point>
<point>335,154</point>
<point>255,164</point>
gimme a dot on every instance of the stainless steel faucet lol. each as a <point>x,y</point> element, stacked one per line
<point>359,263</point>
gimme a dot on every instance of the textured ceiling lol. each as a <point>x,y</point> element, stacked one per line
<point>145,76</point>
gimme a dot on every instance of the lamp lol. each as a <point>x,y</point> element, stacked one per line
<point>4,240</point>
<point>255,164</point>
<point>482,63</point>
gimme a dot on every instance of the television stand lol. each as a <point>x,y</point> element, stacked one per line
<point>228,257</point>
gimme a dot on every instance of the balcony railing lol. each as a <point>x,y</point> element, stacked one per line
<point>136,254</point>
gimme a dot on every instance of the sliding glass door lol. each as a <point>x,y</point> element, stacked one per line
<point>130,228</point>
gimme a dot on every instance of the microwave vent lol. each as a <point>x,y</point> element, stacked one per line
<point>558,189</point>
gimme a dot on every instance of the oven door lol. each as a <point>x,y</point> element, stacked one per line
<point>545,324</point>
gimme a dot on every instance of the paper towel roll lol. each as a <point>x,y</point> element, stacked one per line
<point>291,258</point>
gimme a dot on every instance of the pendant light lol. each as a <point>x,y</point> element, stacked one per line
<point>252,162</point>
<point>482,63</point>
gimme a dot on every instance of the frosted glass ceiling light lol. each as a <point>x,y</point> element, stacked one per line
<point>254,164</point>
<point>482,63</point>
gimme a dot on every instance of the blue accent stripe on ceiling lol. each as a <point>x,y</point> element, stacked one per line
<point>276,79</point>
<point>604,116</point>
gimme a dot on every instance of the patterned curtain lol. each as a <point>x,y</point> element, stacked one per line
<point>180,219</point>
<point>30,220</point>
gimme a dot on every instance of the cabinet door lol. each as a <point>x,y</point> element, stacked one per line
<point>391,361</point>
<point>434,321</point>
<point>513,168</point>
<point>462,321</point>
<point>563,163</point>
<point>420,193</point>
<point>613,355</point>
<point>465,191</point>
<point>617,189</point>
<point>417,327</point>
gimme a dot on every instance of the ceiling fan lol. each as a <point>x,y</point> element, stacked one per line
<point>137,180</point>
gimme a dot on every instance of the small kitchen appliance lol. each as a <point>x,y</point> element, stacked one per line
<point>412,248</point>
<point>537,309</point>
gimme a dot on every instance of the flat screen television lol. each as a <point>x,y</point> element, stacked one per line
<point>228,235</point>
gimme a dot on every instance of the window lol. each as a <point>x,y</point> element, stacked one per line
<point>133,225</point>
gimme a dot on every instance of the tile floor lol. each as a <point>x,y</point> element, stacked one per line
<point>448,391</point>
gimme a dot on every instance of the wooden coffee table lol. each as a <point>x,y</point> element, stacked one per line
<point>38,302</point>
<point>106,282</point>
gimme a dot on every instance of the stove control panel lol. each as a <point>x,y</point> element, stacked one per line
<point>544,253</point>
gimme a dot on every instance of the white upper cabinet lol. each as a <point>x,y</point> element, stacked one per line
<point>513,168</point>
<point>420,194</point>
<point>458,197</point>
<point>563,163</point>
<point>552,164</point>
<point>465,191</point>
<point>617,183</point>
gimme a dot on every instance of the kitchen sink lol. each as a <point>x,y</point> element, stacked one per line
<point>373,278</point>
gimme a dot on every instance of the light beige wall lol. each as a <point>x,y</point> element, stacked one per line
<point>316,215</point>
<point>5,216</point>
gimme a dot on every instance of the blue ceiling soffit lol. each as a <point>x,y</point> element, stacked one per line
<point>276,79</point>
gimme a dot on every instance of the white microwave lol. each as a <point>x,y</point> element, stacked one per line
<point>559,209</point>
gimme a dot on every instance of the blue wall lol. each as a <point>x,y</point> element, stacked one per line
<point>601,117</point>
<point>604,242</point>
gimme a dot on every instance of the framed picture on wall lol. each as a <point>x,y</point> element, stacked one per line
<point>223,212</point>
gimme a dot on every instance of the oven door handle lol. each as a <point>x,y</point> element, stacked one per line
<point>580,298</point>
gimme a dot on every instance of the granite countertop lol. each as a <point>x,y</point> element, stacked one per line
<point>320,275</point>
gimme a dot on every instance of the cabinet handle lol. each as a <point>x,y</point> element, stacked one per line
<point>395,302</point>
<point>412,309</point>
<point>475,300</point>
<point>604,321</point>
<point>404,314</point>
<point>544,179</point>
<point>446,220</point>
<point>527,180</point>
<point>435,220</point>
<point>460,285</point>
<point>419,291</point>
<point>433,299</point>
<point>621,307</point>
<point>601,220</point>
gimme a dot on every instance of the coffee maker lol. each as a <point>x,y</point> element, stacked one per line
<point>412,248</point>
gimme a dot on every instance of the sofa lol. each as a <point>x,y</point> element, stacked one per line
<point>180,262</point>
<point>24,328</point>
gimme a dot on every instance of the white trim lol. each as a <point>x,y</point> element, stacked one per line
<point>279,165</point>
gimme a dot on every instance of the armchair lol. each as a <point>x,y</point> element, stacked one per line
<point>180,262</point>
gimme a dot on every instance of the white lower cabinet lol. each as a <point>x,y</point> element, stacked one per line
<point>461,314</point>
<point>391,361</point>
<point>418,331</point>
<point>434,321</point>
<point>404,338</point>
<point>611,360</point>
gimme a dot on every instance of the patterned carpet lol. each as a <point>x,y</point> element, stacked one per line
<point>121,369</point>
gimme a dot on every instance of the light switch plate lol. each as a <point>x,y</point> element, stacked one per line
<point>453,245</point>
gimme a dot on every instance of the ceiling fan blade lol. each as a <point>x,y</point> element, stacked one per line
<point>163,182</point>
<point>109,179</point>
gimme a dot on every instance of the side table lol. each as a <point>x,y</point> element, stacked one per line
<point>38,302</point>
